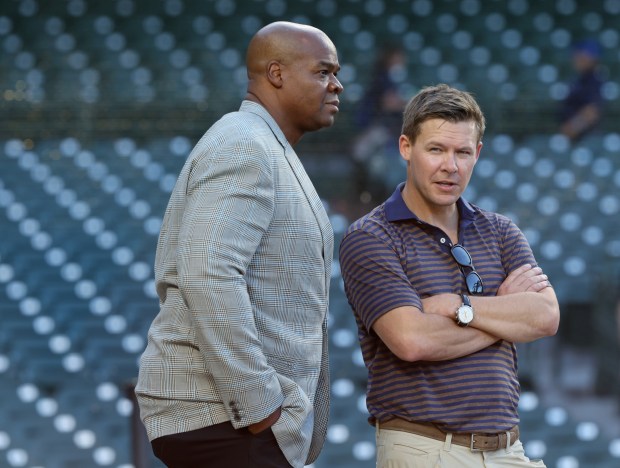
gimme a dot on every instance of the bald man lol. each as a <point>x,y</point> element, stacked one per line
<point>235,373</point>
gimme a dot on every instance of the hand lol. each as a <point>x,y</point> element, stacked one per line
<point>266,423</point>
<point>442,304</point>
<point>523,279</point>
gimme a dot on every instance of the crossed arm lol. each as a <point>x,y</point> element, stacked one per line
<point>524,309</point>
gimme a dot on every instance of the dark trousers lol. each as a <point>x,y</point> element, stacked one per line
<point>218,446</point>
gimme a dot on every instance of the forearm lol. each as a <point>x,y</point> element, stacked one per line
<point>415,336</point>
<point>524,309</point>
<point>443,339</point>
<point>519,317</point>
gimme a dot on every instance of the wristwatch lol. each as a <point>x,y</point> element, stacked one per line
<point>465,313</point>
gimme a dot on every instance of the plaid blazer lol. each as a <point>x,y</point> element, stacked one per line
<point>242,271</point>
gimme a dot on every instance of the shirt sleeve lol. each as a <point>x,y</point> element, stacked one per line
<point>375,281</point>
<point>516,248</point>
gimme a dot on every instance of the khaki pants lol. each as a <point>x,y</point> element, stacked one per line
<point>398,449</point>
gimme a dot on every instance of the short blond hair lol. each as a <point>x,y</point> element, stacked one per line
<point>441,102</point>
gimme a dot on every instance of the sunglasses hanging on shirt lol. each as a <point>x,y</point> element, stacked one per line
<point>466,265</point>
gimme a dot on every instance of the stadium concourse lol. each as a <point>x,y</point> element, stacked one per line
<point>101,102</point>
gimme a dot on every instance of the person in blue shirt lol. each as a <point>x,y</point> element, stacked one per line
<point>582,108</point>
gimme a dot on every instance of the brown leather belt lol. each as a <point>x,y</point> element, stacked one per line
<point>481,442</point>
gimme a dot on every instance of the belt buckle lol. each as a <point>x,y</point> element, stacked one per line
<point>471,443</point>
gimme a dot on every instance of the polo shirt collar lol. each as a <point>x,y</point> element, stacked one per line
<point>397,210</point>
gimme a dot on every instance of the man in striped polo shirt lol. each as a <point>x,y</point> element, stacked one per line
<point>441,291</point>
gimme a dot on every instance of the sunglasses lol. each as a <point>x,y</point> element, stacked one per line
<point>472,278</point>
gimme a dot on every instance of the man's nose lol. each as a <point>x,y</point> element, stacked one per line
<point>336,86</point>
<point>449,163</point>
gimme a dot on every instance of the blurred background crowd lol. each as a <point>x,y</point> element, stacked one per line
<point>101,102</point>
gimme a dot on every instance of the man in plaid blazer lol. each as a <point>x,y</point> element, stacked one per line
<point>235,373</point>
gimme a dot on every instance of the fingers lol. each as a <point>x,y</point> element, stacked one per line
<point>525,278</point>
<point>539,281</point>
<point>540,285</point>
<point>535,280</point>
<point>442,304</point>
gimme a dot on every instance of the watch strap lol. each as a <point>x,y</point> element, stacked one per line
<point>466,300</point>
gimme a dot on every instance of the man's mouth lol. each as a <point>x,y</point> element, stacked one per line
<point>334,104</point>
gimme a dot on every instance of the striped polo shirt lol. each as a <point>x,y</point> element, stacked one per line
<point>390,258</point>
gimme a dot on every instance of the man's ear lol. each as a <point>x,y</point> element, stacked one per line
<point>274,73</point>
<point>478,149</point>
<point>405,145</point>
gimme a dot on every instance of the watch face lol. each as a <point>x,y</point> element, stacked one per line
<point>466,314</point>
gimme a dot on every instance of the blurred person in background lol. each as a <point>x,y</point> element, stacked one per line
<point>235,373</point>
<point>581,110</point>
<point>441,291</point>
<point>378,120</point>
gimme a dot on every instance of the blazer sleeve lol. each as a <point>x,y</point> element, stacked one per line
<point>230,203</point>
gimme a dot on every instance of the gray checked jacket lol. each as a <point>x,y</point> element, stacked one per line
<point>242,271</point>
